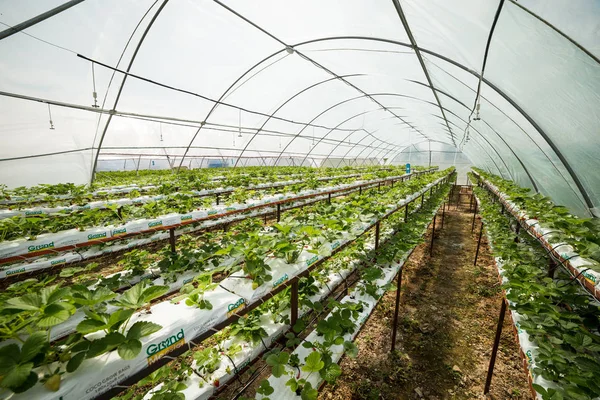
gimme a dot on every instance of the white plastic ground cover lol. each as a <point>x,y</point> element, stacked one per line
<point>99,374</point>
<point>283,392</point>
<point>67,257</point>
<point>528,348</point>
<point>568,256</point>
<point>180,323</point>
<point>102,204</point>
<point>202,388</point>
<point>74,237</point>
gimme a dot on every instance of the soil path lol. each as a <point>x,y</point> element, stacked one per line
<point>447,322</point>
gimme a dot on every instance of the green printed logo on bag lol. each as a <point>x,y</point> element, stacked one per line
<point>235,307</point>
<point>119,232</point>
<point>312,260</point>
<point>155,351</point>
<point>280,280</point>
<point>93,236</point>
<point>40,247</point>
<point>36,212</point>
<point>590,277</point>
<point>155,223</point>
<point>186,217</point>
<point>58,262</point>
<point>15,271</point>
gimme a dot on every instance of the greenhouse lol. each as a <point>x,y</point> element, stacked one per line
<point>282,200</point>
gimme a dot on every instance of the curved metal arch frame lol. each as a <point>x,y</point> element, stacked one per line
<point>283,105</point>
<point>512,102</point>
<point>426,101</point>
<point>577,195</point>
<point>117,98</point>
<point>351,133</point>
<point>322,113</point>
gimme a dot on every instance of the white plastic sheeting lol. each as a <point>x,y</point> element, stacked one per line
<point>278,83</point>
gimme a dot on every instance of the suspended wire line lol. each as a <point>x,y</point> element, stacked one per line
<point>198,95</point>
<point>41,40</point>
<point>357,49</point>
<point>477,103</point>
<point>255,74</point>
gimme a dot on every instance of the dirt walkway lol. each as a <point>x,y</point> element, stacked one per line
<point>447,322</point>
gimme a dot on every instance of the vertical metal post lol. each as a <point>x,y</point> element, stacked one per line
<point>278,212</point>
<point>488,380</point>
<point>443,213</point>
<point>430,192</point>
<point>360,190</point>
<point>172,239</point>
<point>218,198</point>
<point>422,199</point>
<point>377,235</point>
<point>432,235</point>
<point>471,202</point>
<point>478,244</point>
<point>379,187</point>
<point>392,183</point>
<point>329,198</point>
<point>395,325</point>
<point>551,268</point>
<point>517,230</point>
<point>406,212</point>
<point>474,215</point>
<point>294,301</point>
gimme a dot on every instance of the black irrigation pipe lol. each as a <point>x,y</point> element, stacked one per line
<point>196,341</point>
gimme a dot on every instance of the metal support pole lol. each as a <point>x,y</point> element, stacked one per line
<point>294,301</point>
<point>422,199</point>
<point>432,235</point>
<point>392,183</point>
<point>218,198</point>
<point>360,190</point>
<point>379,187</point>
<point>278,212</point>
<point>471,202</point>
<point>406,212</point>
<point>478,244</point>
<point>395,325</point>
<point>430,192</point>
<point>488,380</point>
<point>329,198</point>
<point>474,215</point>
<point>377,235</point>
<point>172,239</point>
<point>517,230</point>
<point>551,268</point>
<point>443,213</point>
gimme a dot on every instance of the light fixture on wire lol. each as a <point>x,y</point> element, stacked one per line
<point>477,108</point>
<point>160,128</point>
<point>240,124</point>
<point>50,116</point>
<point>94,94</point>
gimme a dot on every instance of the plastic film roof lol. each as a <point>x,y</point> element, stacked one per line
<point>515,87</point>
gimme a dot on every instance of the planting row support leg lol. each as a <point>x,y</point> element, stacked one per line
<point>474,215</point>
<point>422,199</point>
<point>294,301</point>
<point>395,325</point>
<point>551,267</point>
<point>218,198</point>
<point>517,230</point>
<point>278,212</point>
<point>432,235</point>
<point>329,198</point>
<point>488,380</point>
<point>443,213</point>
<point>172,239</point>
<point>478,244</point>
<point>377,235</point>
<point>406,212</point>
<point>360,190</point>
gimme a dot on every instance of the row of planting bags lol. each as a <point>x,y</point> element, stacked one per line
<point>207,386</point>
<point>68,257</point>
<point>104,204</point>
<point>180,322</point>
<point>74,237</point>
<point>578,264</point>
<point>528,348</point>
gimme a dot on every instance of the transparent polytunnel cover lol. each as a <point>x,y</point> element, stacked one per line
<point>91,85</point>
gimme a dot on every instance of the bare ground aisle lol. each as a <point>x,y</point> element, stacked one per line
<point>447,323</point>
